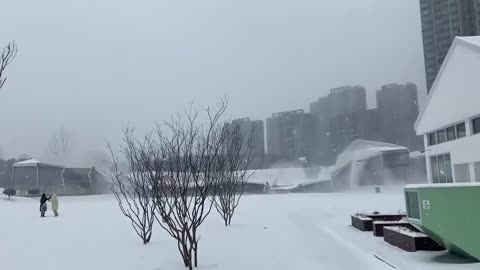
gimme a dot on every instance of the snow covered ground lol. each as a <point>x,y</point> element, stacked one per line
<point>269,232</point>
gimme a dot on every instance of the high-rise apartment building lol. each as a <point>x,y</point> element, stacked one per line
<point>442,20</point>
<point>397,107</point>
<point>290,135</point>
<point>347,99</point>
<point>255,131</point>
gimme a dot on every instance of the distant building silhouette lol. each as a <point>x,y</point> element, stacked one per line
<point>397,107</point>
<point>254,129</point>
<point>322,144</point>
<point>346,128</point>
<point>347,99</point>
<point>339,119</point>
<point>290,135</point>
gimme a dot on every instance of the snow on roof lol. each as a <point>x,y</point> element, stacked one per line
<point>33,163</point>
<point>26,163</point>
<point>458,81</point>
<point>442,185</point>
<point>361,150</point>
<point>474,40</point>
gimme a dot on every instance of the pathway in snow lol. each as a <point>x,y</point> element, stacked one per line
<point>331,248</point>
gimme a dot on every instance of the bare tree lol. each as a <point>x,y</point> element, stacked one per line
<point>183,175</point>
<point>60,144</point>
<point>8,53</point>
<point>181,162</point>
<point>132,189</point>
<point>236,150</point>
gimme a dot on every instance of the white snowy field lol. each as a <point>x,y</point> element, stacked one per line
<point>269,232</point>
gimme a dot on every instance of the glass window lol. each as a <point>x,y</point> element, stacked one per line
<point>441,136</point>
<point>434,165</point>
<point>448,168</point>
<point>476,125</point>
<point>451,134</point>
<point>413,206</point>
<point>442,173</point>
<point>441,169</point>
<point>462,173</point>
<point>432,138</point>
<point>461,130</point>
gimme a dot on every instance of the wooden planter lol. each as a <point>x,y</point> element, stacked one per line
<point>379,225</point>
<point>409,240</point>
<point>386,217</point>
<point>362,223</point>
<point>365,222</point>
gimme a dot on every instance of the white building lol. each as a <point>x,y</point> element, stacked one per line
<point>450,120</point>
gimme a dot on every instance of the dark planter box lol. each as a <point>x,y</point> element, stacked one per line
<point>386,217</point>
<point>362,223</point>
<point>409,241</point>
<point>379,225</point>
<point>365,222</point>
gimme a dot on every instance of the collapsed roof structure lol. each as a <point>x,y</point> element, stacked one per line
<point>32,175</point>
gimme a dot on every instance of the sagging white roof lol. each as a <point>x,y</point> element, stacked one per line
<point>33,163</point>
<point>361,150</point>
<point>27,163</point>
<point>456,90</point>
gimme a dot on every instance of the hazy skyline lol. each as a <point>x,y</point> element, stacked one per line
<point>92,66</point>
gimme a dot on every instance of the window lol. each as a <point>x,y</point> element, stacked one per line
<point>413,207</point>
<point>441,136</point>
<point>451,135</point>
<point>442,172</point>
<point>462,173</point>
<point>441,166</point>
<point>476,125</point>
<point>476,166</point>
<point>434,165</point>
<point>432,138</point>
<point>461,130</point>
<point>448,168</point>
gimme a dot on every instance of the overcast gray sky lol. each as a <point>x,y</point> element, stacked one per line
<point>91,65</point>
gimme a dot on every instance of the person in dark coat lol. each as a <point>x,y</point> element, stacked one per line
<point>43,204</point>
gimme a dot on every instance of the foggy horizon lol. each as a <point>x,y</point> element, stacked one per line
<point>93,67</point>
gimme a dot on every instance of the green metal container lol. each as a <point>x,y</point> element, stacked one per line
<point>447,213</point>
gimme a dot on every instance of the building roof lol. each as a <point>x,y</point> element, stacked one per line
<point>457,82</point>
<point>26,163</point>
<point>361,150</point>
<point>33,163</point>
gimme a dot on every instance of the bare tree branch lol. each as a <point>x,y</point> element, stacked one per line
<point>132,189</point>
<point>181,161</point>
<point>230,186</point>
<point>60,144</point>
<point>7,55</point>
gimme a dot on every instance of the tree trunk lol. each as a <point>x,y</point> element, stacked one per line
<point>195,246</point>
<point>186,256</point>
<point>190,267</point>
<point>195,256</point>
